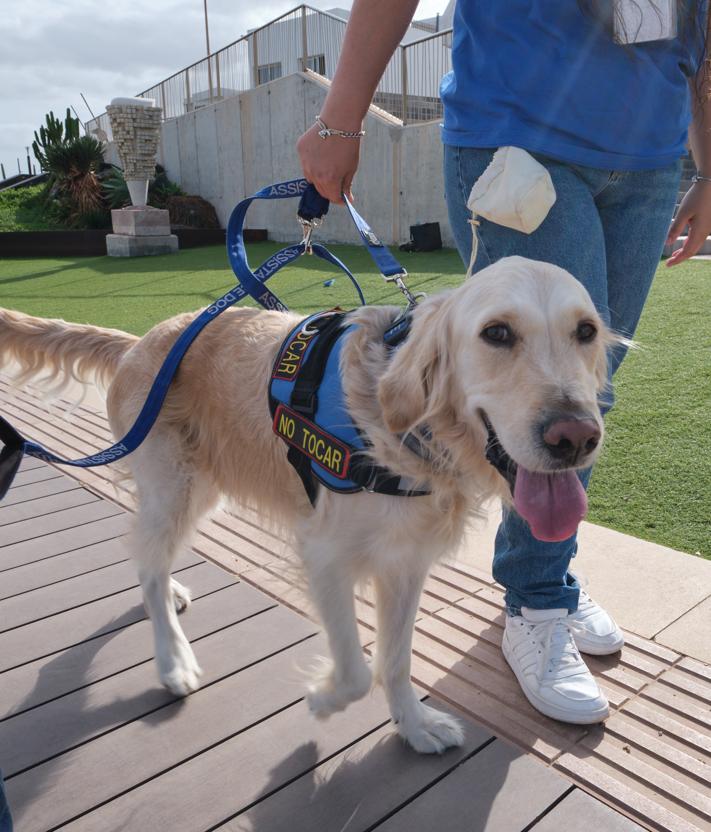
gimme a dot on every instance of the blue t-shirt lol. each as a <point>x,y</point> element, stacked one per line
<point>545,76</point>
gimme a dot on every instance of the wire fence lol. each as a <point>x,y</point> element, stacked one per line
<point>301,39</point>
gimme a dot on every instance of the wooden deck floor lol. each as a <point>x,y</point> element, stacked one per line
<point>86,726</point>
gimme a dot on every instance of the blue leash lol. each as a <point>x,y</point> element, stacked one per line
<point>312,209</point>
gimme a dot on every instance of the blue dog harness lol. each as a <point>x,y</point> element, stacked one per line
<point>309,413</point>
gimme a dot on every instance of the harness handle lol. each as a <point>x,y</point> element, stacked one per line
<point>312,208</point>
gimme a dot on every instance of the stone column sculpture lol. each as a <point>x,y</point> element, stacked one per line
<point>138,229</point>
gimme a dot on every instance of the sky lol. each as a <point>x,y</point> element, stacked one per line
<point>54,50</point>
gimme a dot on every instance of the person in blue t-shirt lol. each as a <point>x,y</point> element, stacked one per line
<point>605,103</point>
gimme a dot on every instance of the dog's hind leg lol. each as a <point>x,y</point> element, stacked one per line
<point>172,497</point>
<point>397,595</point>
<point>348,677</point>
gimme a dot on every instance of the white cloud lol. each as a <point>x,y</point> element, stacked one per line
<point>53,50</point>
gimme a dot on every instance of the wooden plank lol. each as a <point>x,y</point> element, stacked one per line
<point>25,644</point>
<point>657,746</point>
<point>34,736</point>
<point>463,584</point>
<point>47,601</point>
<point>214,606</point>
<point>94,523</point>
<point>354,789</point>
<point>703,671</point>
<point>26,406</point>
<point>688,706</point>
<point>664,723</point>
<point>37,509</point>
<point>89,416</point>
<point>62,567</point>
<point>29,463</point>
<point>136,752</point>
<point>500,789</point>
<point>690,683</point>
<point>248,549</point>
<point>462,567</point>
<point>652,648</point>
<point>39,474</point>
<point>40,527</point>
<point>35,490</point>
<point>578,812</point>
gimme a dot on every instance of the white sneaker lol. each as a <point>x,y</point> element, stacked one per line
<point>541,651</point>
<point>595,631</point>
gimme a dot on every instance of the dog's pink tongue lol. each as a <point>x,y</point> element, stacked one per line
<point>552,504</point>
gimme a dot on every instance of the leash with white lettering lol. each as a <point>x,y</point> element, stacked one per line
<point>313,207</point>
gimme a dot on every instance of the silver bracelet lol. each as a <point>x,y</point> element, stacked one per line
<point>324,132</point>
<point>697,177</point>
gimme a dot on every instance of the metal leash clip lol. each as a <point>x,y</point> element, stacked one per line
<point>398,280</point>
<point>308,227</point>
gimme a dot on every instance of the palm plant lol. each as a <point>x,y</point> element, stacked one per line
<point>73,169</point>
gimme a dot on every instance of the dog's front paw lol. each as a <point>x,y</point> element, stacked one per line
<point>180,672</point>
<point>430,731</point>
<point>327,695</point>
<point>181,595</point>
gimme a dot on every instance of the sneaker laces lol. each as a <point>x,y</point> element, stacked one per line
<point>555,636</point>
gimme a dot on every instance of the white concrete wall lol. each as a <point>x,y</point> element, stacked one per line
<point>231,149</point>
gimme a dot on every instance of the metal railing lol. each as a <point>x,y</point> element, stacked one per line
<point>303,38</point>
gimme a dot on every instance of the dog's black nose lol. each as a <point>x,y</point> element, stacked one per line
<point>570,440</point>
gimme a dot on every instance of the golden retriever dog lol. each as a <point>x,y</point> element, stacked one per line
<point>518,349</point>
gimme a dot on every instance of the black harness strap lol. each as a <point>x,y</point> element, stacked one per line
<point>304,398</point>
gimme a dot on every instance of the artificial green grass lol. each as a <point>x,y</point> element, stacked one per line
<point>654,478</point>
<point>21,210</point>
<point>135,293</point>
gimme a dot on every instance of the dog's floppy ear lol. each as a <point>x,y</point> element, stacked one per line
<point>612,342</point>
<point>416,385</point>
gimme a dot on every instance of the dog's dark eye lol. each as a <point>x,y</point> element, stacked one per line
<point>585,332</point>
<point>498,334</point>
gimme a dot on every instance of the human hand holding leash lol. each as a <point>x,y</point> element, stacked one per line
<point>329,164</point>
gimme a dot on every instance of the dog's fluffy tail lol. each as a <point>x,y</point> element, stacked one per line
<point>64,351</point>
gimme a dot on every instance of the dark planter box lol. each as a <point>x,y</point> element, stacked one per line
<point>93,243</point>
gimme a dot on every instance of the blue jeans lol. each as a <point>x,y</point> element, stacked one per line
<point>607,228</point>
